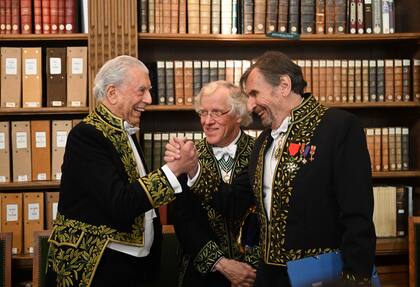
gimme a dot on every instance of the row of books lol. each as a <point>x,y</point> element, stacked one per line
<point>23,213</point>
<point>388,148</point>
<point>392,206</point>
<point>29,73</point>
<point>40,16</point>
<point>346,81</point>
<point>263,16</point>
<point>33,150</point>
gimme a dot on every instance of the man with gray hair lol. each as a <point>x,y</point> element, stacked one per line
<point>107,231</point>
<point>212,256</point>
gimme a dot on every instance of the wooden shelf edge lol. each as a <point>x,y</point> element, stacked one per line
<point>263,38</point>
<point>43,37</point>
<point>392,174</point>
<point>43,111</point>
<point>386,246</point>
<point>53,184</point>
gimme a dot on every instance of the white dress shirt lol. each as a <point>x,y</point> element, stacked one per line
<point>270,163</point>
<point>149,215</point>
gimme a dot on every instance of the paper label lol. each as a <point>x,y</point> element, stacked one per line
<point>77,66</point>
<point>12,212</point>
<point>54,210</point>
<point>55,66</point>
<point>40,139</point>
<point>2,140</point>
<point>41,176</point>
<point>21,140</point>
<point>30,67</point>
<point>23,177</point>
<point>61,138</point>
<point>33,211</point>
<point>11,66</point>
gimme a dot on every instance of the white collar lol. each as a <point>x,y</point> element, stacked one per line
<point>281,129</point>
<point>230,149</point>
<point>130,129</point>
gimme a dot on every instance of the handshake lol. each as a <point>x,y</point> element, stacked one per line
<point>181,156</point>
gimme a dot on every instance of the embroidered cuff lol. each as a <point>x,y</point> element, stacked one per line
<point>207,257</point>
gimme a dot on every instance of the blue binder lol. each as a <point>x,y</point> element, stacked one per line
<point>319,270</point>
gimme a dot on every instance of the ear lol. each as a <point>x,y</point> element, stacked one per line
<point>285,85</point>
<point>111,94</point>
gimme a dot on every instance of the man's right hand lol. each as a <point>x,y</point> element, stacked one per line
<point>181,156</point>
<point>238,273</point>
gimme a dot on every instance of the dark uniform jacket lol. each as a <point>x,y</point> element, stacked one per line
<point>204,233</point>
<point>102,199</point>
<point>322,196</point>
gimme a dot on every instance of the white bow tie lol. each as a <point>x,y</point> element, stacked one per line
<point>219,152</point>
<point>131,130</point>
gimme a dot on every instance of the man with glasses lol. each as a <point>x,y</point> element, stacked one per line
<point>212,256</point>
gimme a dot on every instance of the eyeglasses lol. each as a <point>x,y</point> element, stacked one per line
<point>213,114</point>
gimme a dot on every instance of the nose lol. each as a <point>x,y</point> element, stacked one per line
<point>147,98</point>
<point>250,104</point>
<point>208,119</point>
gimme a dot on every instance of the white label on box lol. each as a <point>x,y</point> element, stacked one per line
<point>14,250</point>
<point>56,103</point>
<point>61,138</point>
<point>54,210</point>
<point>76,103</point>
<point>55,66</point>
<point>2,140</point>
<point>401,211</point>
<point>32,104</point>
<point>30,67</point>
<point>41,176</point>
<point>2,178</point>
<point>77,66</point>
<point>12,212</point>
<point>10,105</point>
<point>11,66</point>
<point>23,177</point>
<point>40,139</point>
<point>33,211</point>
<point>21,140</point>
<point>58,176</point>
<point>31,249</point>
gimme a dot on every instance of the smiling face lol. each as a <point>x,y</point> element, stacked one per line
<point>129,99</point>
<point>219,131</point>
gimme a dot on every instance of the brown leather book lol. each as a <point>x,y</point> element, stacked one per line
<point>248,16</point>
<point>54,16</point>
<point>380,80</point>
<point>197,77</point>
<point>402,211</point>
<point>61,16</point>
<point>41,150</point>
<point>5,152</point>
<point>205,72</point>
<point>384,149</point>
<point>370,141</point>
<point>158,16</point>
<point>352,17</point>
<point>368,16</point>
<point>161,86</point>
<point>307,73</point>
<point>259,16</point>
<point>322,81</point>
<point>307,16</point>
<point>398,80</point>
<point>215,8</point>
<point>51,204</point>
<point>405,145</point>
<point>365,81</point>
<point>70,15</point>
<point>391,150</point>
<point>170,80</point>
<point>294,13</point>
<point>77,76</point>
<point>344,82</point>
<point>315,79</point>
<point>329,16</point>
<point>193,15</point>
<point>389,81</point>
<point>8,16</point>
<point>398,148</point>
<point>33,218</point>
<point>32,77</point>
<point>377,156</point>
<point>26,16</point>
<point>205,17</point>
<point>351,85</point>
<point>15,17</point>
<point>37,16</point>
<point>166,16</point>
<point>182,16</point>
<point>340,16</point>
<point>2,17</point>
<point>230,68</point>
<point>188,83</point>
<point>237,72</point>
<point>174,16</point>
<point>142,18</point>
<point>11,77</point>
<point>406,80</point>
<point>21,151</point>
<point>11,218</point>
<point>360,23</point>
<point>221,70</point>
<point>46,18</point>
<point>320,16</point>
<point>213,71</point>
<point>358,81</point>
<point>56,62</point>
<point>59,132</point>
<point>179,82</point>
<point>337,81</point>
<point>151,16</point>
<point>329,81</point>
<point>416,80</point>
<point>373,95</point>
<point>271,16</point>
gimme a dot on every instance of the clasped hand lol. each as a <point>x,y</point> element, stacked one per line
<point>181,156</point>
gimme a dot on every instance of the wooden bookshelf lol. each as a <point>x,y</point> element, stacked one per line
<point>44,111</point>
<point>43,37</point>
<point>29,185</point>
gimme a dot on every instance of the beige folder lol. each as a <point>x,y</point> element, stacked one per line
<point>21,151</point>
<point>51,203</point>
<point>11,218</point>
<point>31,77</point>
<point>4,152</point>
<point>75,122</point>
<point>60,131</point>
<point>41,150</point>
<point>33,218</point>
<point>11,77</point>
<point>77,76</point>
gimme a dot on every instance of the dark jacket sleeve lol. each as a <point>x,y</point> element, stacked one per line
<point>95,187</point>
<point>352,178</point>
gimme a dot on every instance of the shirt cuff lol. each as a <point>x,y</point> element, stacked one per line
<point>213,269</point>
<point>191,181</point>
<point>172,179</point>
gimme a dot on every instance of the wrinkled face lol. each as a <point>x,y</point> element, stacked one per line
<point>219,130</point>
<point>262,99</point>
<point>133,96</point>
